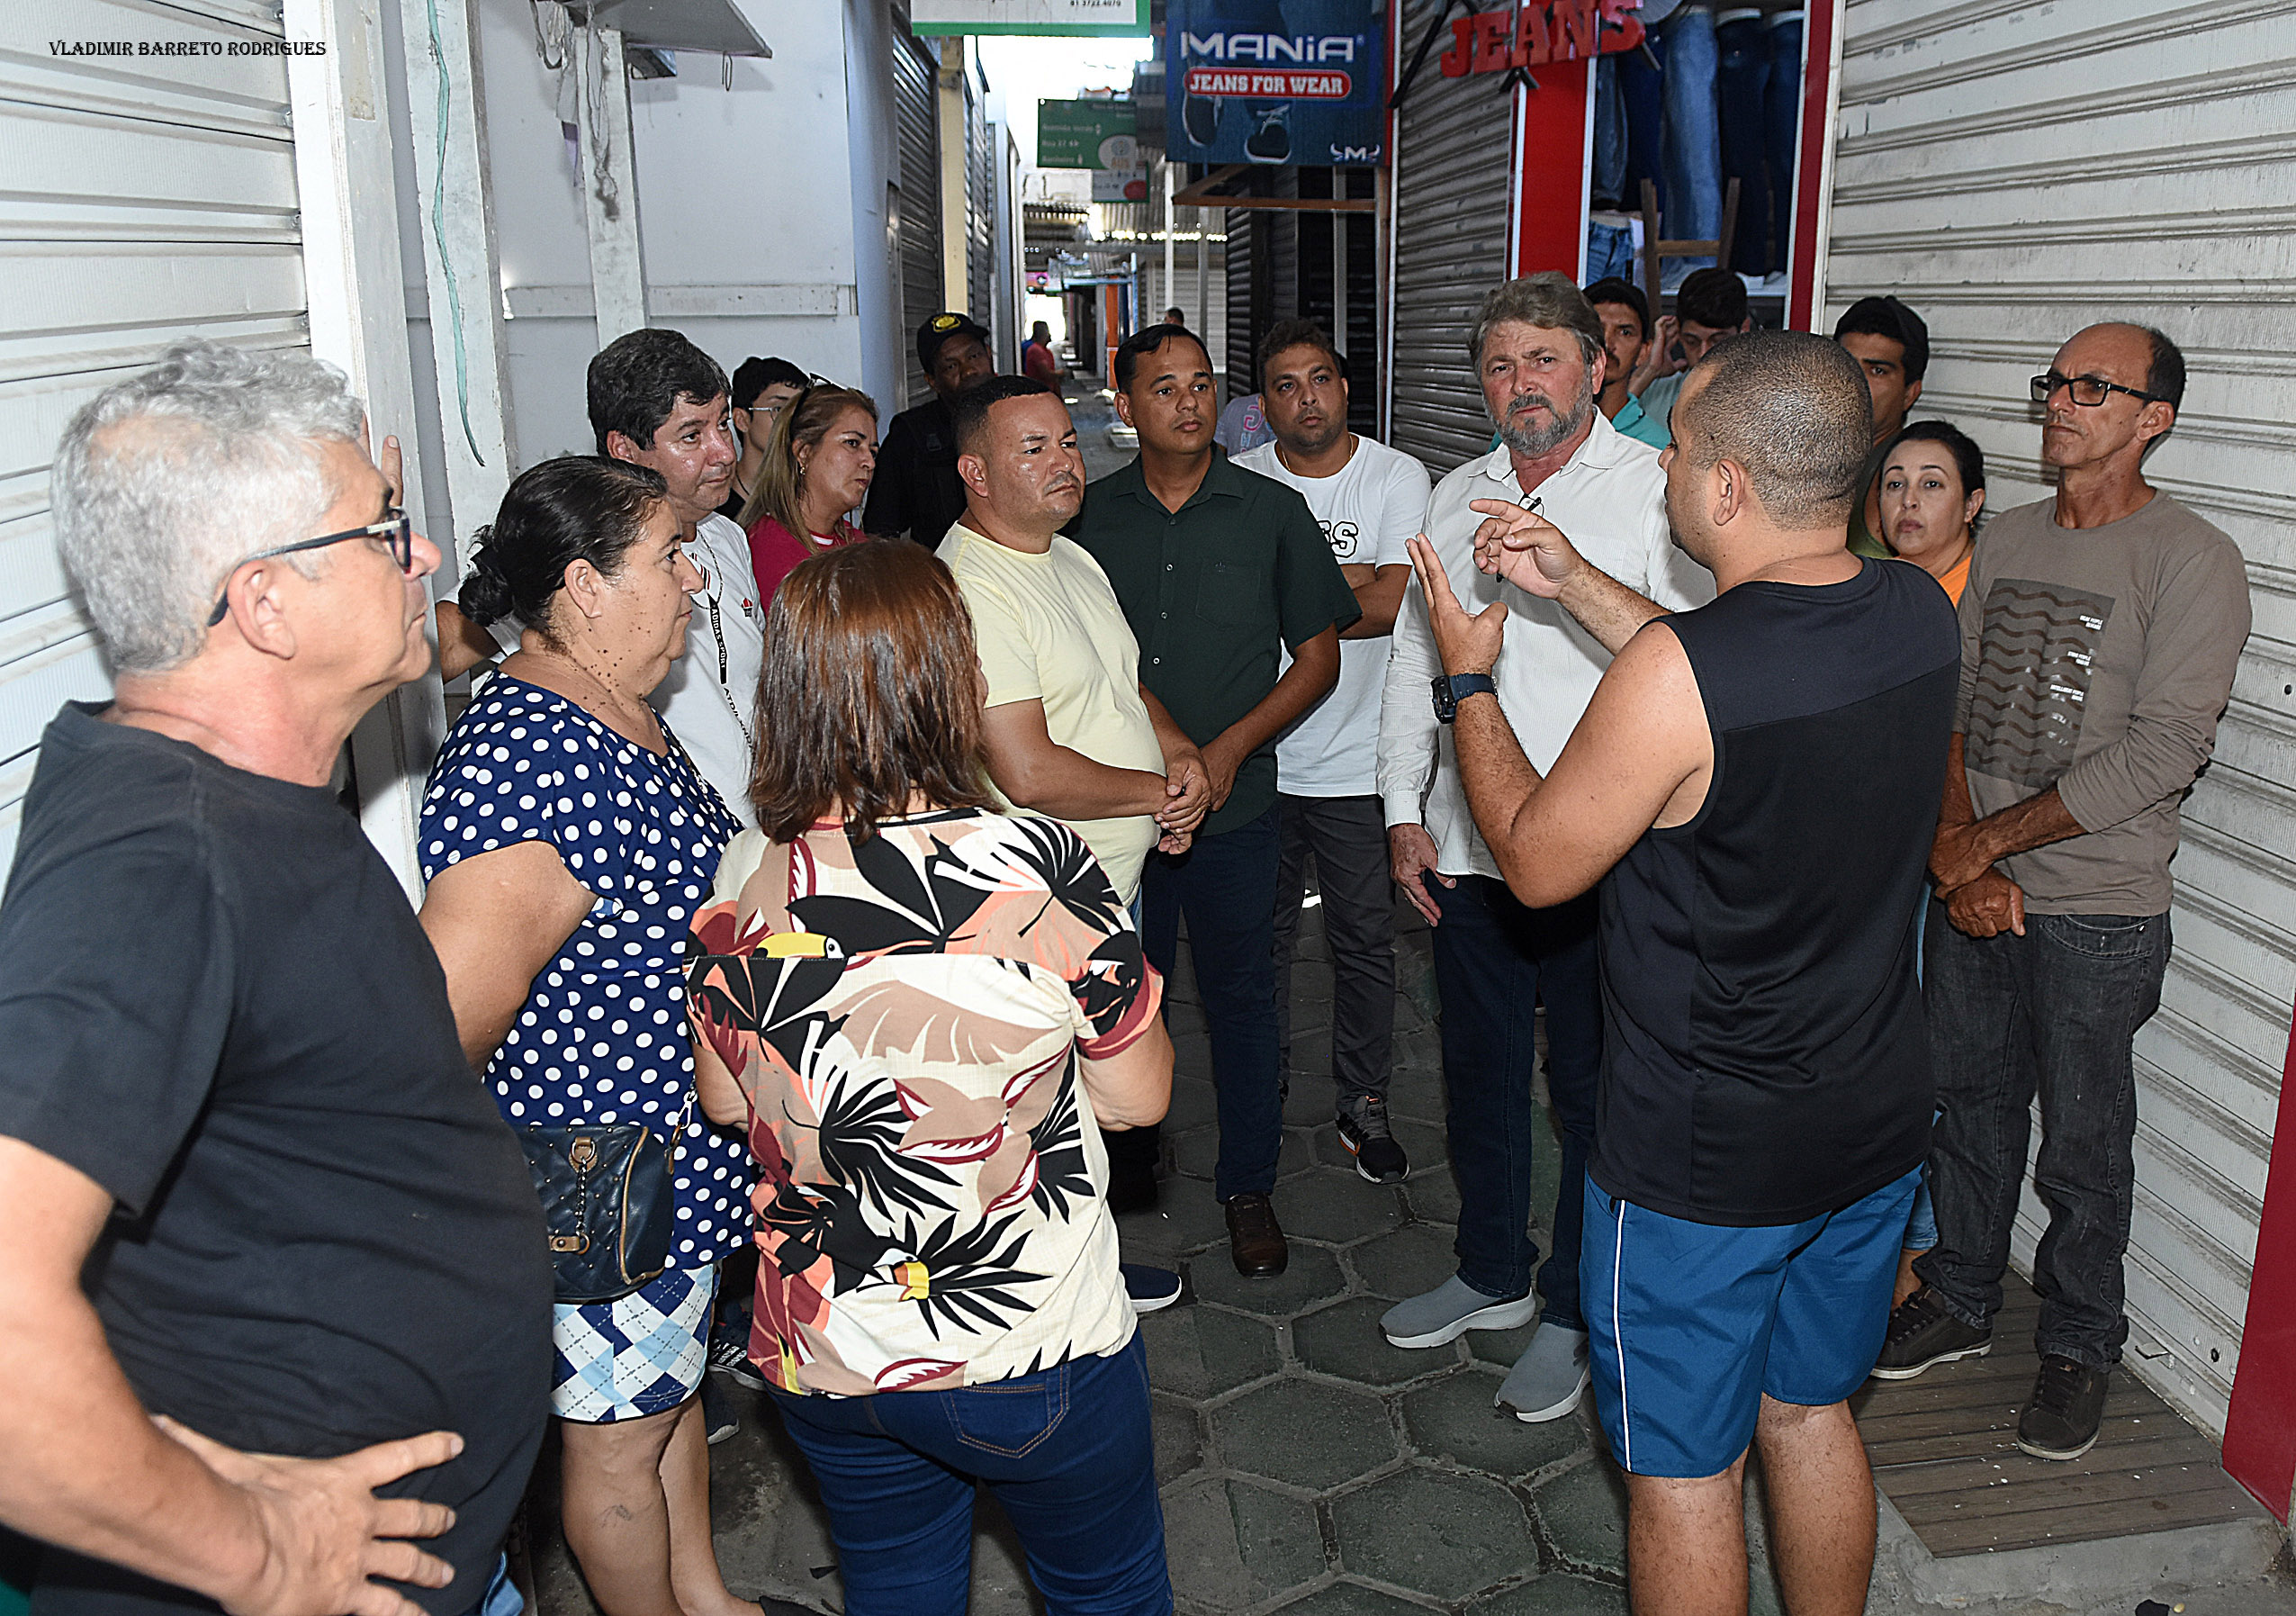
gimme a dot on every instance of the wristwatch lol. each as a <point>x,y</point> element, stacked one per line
<point>1451,690</point>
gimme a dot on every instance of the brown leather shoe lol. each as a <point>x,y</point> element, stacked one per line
<point>1255,1239</point>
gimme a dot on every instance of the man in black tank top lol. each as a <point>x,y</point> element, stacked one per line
<point>1754,785</point>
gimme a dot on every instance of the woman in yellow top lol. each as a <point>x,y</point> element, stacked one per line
<point>1932,491</point>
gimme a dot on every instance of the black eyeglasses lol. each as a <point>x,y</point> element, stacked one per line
<point>2088,391</point>
<point>394,529</point>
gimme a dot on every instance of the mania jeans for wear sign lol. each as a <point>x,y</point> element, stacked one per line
<point>1276,81</point>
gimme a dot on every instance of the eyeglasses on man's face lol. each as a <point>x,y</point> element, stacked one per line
<point>395,530</point>
<point>2088,391</point>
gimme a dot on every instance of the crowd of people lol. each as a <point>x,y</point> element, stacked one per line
<point>786,998</point>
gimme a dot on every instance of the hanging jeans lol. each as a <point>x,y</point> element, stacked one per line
<point>1610,136</point>
<point>1692,142</point>
<point>1642,103</point>
<point>1741,78</point>
<point>1781,118</point>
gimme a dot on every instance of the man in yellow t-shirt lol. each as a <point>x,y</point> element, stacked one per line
<point>1070,733</point>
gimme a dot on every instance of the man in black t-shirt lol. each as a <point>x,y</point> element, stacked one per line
<point>248,1187</point>
<point>916,490</point>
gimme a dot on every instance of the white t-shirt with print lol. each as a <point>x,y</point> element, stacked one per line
<point>1369,509</point>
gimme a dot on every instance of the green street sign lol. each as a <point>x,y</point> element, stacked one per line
<point>1075,134</point>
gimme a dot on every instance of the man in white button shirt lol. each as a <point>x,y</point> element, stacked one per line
<point>1538,351</point>
<point>1369,499</point>
<point>657,401</point>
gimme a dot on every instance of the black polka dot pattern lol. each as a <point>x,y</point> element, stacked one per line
<point>602,1036</point>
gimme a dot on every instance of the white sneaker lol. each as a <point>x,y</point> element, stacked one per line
<point>1449,1311</point>
<point>1547,1380</point>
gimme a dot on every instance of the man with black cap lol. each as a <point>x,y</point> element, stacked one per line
<point>918,490</point>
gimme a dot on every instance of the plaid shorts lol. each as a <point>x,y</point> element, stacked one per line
<point>639,1355</point>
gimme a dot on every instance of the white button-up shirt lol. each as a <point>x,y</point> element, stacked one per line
<point>1610,498</point>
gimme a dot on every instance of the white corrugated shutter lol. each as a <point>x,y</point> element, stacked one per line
<point>149,199</point>
<point>1453,159</point>
<point>2016,172</point>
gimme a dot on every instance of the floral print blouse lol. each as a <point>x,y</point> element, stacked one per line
<point>905,1015</point>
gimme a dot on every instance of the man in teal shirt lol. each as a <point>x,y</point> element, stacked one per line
<point>1217,569</point>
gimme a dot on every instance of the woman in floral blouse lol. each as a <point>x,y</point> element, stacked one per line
<point>911,1001</point>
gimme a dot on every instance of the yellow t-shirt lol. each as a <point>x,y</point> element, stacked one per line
<point>1049,630</point>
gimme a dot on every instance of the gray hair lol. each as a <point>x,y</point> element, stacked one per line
<point>164,482</point>
<point>1546,299</point>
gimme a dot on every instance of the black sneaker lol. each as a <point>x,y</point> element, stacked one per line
<point>1922,1335</point>
<point>730,1356</point>
<point>1199,117</point>
<point>1362,1129</point>
<point>719,1421</point>
<point>2069,1403</point>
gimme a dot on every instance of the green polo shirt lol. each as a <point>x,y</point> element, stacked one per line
<point>1211,589</point>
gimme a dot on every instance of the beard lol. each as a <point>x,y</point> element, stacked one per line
<point>1321,439</point>
<point>1532,440</point>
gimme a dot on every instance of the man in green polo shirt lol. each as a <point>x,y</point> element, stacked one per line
<point>1217,570</point>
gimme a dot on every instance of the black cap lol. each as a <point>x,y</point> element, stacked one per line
<point>940,328</point>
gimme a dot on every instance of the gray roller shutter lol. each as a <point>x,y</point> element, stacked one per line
<point>2015,177</point>
<point>1451,165</point>
<point>980,211</point>
<point>918,187</point>
<point>149,201</point>
<point>1246,278</point>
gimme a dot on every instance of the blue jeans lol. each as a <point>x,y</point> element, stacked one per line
<point>1643,98</point>
<point>1693,144</point>
<point>1226,886</point>
<point>2054,1011</point>
<point>1758,83</point>
<point>1066,1450</point>
<point>1494,961</point>
<point>1610,251</point>
<point>1609,176</point>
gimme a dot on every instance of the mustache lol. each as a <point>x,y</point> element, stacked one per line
<point>1525,401</point>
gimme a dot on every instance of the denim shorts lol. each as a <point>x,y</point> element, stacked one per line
<point>1691,1325</point>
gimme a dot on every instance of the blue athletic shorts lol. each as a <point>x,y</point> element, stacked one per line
<point>1691,1324</point>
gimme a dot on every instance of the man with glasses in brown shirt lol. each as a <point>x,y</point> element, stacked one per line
<point>2100,631</point>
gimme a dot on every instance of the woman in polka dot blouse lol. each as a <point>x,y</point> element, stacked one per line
<point>568,841</point>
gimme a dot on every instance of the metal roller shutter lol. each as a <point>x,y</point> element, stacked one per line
<point>980,211</point>
<point>1453,159</point>
<point>1246,275</point>
<point>2014,177</point>
<point>150,201</point>
<point>916,129</point>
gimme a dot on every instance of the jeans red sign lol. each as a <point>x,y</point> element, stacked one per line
<point>1540,31</point>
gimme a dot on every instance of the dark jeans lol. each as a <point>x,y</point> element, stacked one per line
<point>2054,1011</point>
<point>1348,838</point>
<point>1226,886</point>
<point>1494,959</point>
<point>1066,1450</point>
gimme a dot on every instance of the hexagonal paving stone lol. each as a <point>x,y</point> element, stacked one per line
<point>1351,1599</point>
<point>1200,1353</point>
<point>1311,1100</point>
<point>1344,1341</point>
<point>1179,1446</point>
<point>1181,1011</point>
<point>1311,1276</point>
<point>1337,1204</point>
<point>1417,1092</point>
<point>1585,1515</point>
<point>1557,1593</point>
<point>1499,1348</point>
<point>1457,1419</point>
<point>1433,1194</point>
<point>1303,1432</point>
<point>1185,1218</point>
<point>1196,1152</point>
<point>1423,1143</point>
<point>1439,1534</point>
<point>1416,1257</point>
<point>1232,1544</point>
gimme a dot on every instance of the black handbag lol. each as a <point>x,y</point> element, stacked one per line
<point>607,1206</point>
